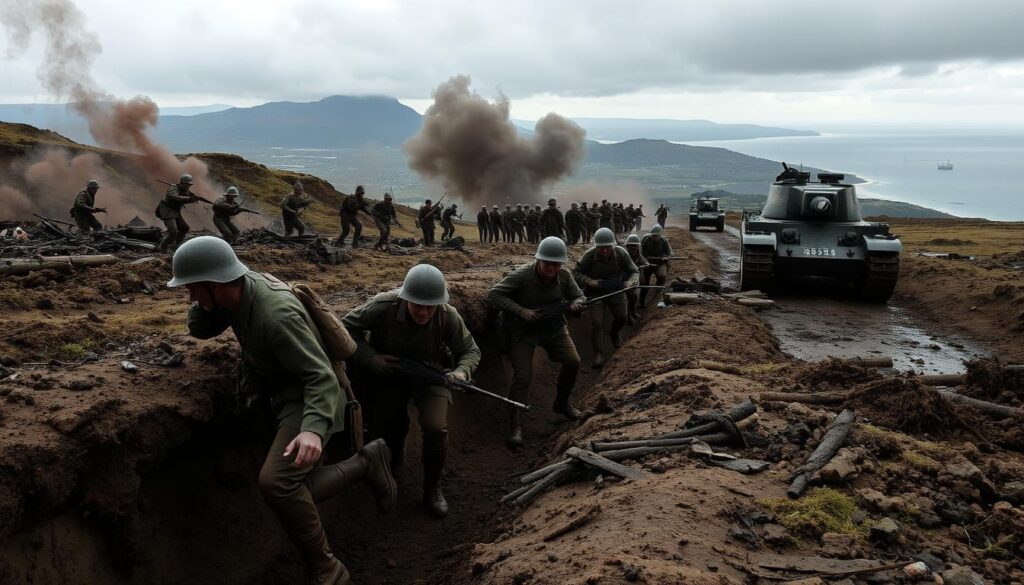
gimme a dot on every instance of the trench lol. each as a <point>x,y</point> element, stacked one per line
<point>815,319</point>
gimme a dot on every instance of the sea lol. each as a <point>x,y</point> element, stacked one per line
<point>901,164</point>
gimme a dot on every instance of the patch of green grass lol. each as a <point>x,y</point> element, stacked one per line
<point>920,461</point>
<point>821,510</point>
<point>75,350</point>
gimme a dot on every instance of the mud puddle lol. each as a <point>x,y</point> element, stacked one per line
<point>821,320</point>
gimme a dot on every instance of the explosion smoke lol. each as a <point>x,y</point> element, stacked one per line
<point>470,145</point>
<point>113,123</point>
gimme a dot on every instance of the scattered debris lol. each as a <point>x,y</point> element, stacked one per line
<point>834,438</point>
<point>129,367</point>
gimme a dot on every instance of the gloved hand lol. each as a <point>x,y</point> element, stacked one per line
<point>453,377</point>
<point>383,364</point>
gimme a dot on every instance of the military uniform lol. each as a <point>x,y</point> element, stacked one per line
<point>84,211</point>
<point>350,208</point>
<point>291,208</point>
<point>524,289</point>
<point>169,210</point>
<point>483,225</point>
<point>639,218</point>
<point>426,218</point>
<point>383,214</point>
<point>606,216</point>
<point>574,225</point>
<point>383,326</point>
<point>633,296</point>
<point>223,210</point>
<point>496,232</point>
<point>447,224</point>
<point>533,226</point>
<point>552,223</point>
<point>655,248</point>
<point>661,215</point>
<point>602,276</point>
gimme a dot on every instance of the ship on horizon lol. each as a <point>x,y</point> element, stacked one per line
<point>945,166</point>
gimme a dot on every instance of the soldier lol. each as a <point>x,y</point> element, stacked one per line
<point>414,322</point>
<point>606,215</point>
<point>603,269</point>
<point>551,221</point>
<point>574,224</point>
<point>585,225</point>
<point>519,223</point>
<point>384,213</point>
<point>655,248</point>
<point>483,224</point>
<point>633,296</point>
<point>84,210</point>
<point>593,222</point>
<point>284,358</point>
<point>425,218</point>
<point>661,214</point>
<point>224,208</point>
<point>446,222</point>
<point>533,224</point>
<point>292,207</point>
<point>639,217</point>
<point>630,218</point>
<point>350,208</point>
<point>519,295</point>
<point>496,233</point>
<point>169,210</point>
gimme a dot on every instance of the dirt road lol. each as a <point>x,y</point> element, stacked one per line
<point>814,320</point>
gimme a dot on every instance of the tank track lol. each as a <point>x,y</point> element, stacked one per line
<point>757,268</point>
<point>880,277</point>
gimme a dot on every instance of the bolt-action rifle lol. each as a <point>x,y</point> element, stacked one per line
<point>436,375</point>
<point>203,199</point>
<point>558,309</point>
<point>248,210</point>
<point>662,258</point>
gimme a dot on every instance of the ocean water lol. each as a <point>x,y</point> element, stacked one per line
<point>987,179</point>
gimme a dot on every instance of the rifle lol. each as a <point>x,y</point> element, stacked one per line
<point>247,210</point>
<point>203,199</point>
<point>435,375</point>
<point>560,308</point>
<point>662,258</point>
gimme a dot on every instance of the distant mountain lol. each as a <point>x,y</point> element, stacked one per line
<point>193,110</point>
<point>619,129</point>
<point>333,122</point>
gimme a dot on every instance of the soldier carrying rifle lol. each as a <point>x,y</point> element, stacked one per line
<point>292,207</point>
<point>169,211</point>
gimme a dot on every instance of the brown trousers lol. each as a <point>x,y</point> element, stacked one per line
<point>227,229</point>
<point>292,223</point>
<point>560,349</point>
<point>598,318</point>
<point>87,222</point>
<point>293,492</point>
<point>660,274</point>
<point>177,228</point>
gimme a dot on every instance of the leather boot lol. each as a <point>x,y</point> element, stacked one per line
<point>435,451</point>
<point>377,459</point>
<point>515,438</point>
<point>333,573</point>
<point>564,407</point>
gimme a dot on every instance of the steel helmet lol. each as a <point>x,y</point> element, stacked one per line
<point>604,237</point>
<point>298,185</point>
<point>231,191</point>
<point>185,179</point>
<point>552,201</point>
<point>93,184</point>
<point>424,285</point>
<point>656,230</point>
<point>552,249</point>
<point>205,259</point>
<point>387,195</point>
<point>360,190</point>
<point>633,240</point>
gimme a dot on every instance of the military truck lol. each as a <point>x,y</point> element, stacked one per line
<point>705,212</point>
<point>814,228</point>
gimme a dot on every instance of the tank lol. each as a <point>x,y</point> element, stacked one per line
<point>814,228</point>
<point>705,212</point>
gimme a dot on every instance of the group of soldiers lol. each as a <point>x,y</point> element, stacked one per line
<point>286,356</point>
<point>578,224</point>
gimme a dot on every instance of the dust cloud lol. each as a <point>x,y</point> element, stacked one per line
<point>472,148</point>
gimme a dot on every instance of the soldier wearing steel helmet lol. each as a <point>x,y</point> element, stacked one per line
<point>226,207</point>
<point>655,248</point>
<point>496,233</point>
<point>169,211</point>
<point>84,209</point>
<point>414,322</point>
<point>483,224</point>
<point>383,214</point>
<point>292,207</point>
<point>518,296</point>
<point>633,296</point>
<point>285,359</point>
<point>603,269</point>
<point>349,212</point>
<point>552,223</point>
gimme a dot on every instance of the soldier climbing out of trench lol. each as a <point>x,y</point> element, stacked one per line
<point>633,296</point>
<point>292,207</point>
<point>417,323</point>
<point>425,220</point>
<point>84,209</point>
<point>169,211</point>
<point>224,208</point>
<point>656,249</point>
<point>604,269</point>
<point>519,296</point>
<point>284,358</point>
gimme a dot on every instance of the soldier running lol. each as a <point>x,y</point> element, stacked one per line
<point>384,213</point>
<point>446,222</point>
<point>603,269</point>
<point>633,296</point>
<point>350,208</point>
<point>661,214</point>
<point>519,295</point>
<point>84,210</point>
<point>169,210</point>
<point>425,219</point>
<point>414,322</point>
<point>655,248</point>
<point>284,358</point>
<point>639,218</point>
<point>292,207</point>
<point>226,207</point>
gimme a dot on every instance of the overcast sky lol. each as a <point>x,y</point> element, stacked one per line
<point>794,63</point>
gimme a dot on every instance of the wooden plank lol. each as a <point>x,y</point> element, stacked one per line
<point>598,462</point>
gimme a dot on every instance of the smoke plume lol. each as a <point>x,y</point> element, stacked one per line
<point>70,50</point>
<point>471,147</point>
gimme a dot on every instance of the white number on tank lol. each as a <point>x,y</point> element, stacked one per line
<point>819,251</point>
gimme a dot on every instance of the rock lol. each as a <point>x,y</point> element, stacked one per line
<point>1012,491</point>
<point>881,502</point>
<point>81,385</point>
<point>964,470</point>
<point>129,367</point>
<point>94,317</point>
<point>11,362</point>
<point>916,570</point>
<point>840,546</point>
<point>885,531</point>
<point>166,347</point>
<point>961,576</point>
<point>929,520</point>
<point>844,466</point>
<point>45,305</point>
<point>777,535</point>
<point>935,564</point>
<point>797,433</point>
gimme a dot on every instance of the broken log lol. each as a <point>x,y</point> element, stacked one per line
<point>817,398</point>
<point>834,438</point>
<point>869,362</point>
<point>543,471</point>
<point>682,298</point>
<point>616,453</point>
<point>10,266</point>
<point>998,411</point>
<point>747,294</point>
<point>1014,368</point>
<point>552,479</point>
<point>603,464</point>
<point>578,522</point>
<point>515,493</point>
<point>735,414</point>
<point>941,379</point>
<point>719,367</point>
<point>615,446</point>
<point>755,303</point>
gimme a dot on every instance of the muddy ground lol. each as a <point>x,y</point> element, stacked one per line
<point>149,477</point>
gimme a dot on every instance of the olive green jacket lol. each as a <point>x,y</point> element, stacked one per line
<point>655,248</point>
<point>283,355</point>
<point>618,266</point>
<point>85,204</point>
<point>382,325</point>
<point>170,206</point>
<point>523,289</point>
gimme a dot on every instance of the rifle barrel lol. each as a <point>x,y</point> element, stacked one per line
<point>465,386</point>
<point>611,294</point>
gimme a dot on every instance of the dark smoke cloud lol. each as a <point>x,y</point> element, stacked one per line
<point>471,147</point>
<point>114,123</point>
